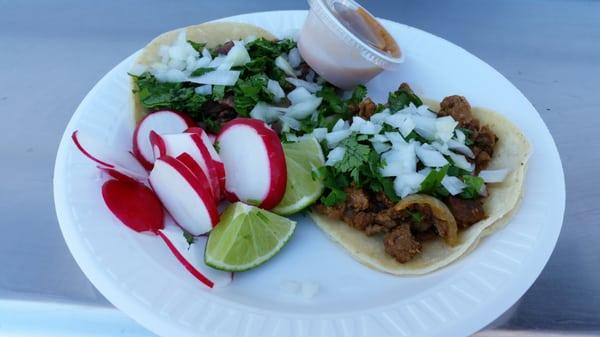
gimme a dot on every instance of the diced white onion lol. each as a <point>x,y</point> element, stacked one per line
<point>423,110</point>
<point>259,111</point>
<point>407,126</point>
<point>138,69</point>
<point>453,185</point>
<point>357,123</point>
<point>204,90</point>
<point>304,109</point>
<point>216,62</point>
<point>425,171</point>
<point>379,139</point>
<point>408,184</point>
<point>456,146</point>
<point>441,148</point>
<point>217,77</point>
<point>275,89</point>
<point>400,160</point>
<point>310,77</point>
<point>380,147</point>
<point>202,62</point>
<point>292,123</point>
<point>174,75</point>
<point>333,138</point>
<point>335,156</point>
<point>283,64</point>
<point>294,58</point>
<point>249,38</point>
<point>425,126</point>
<point>340,125</point>
<point>493,176</point>
<point>312,87</point>
<point>460,136</point>
<point>206,54</point>
<point>461,162</point>
<point>298,95</point>
<point>319,133</point>
<point>237,56</point>
<point>370,128</point>
<point>430,156</point>
<point>395,137</point>
<point>445,128</point>
<point>380,117</point>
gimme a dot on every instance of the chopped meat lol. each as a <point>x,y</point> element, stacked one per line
<point>334,212</point>
<point>220,111</point>
<point>304,70</point>
<point>357,199</point>
<point>386,218</point>
<point>366,108</point>
<point>358,220</point>
<point>465,211</point>
<point>459,108</point>
<point>401,244</point>
<point>484,139</point>
<point>383,201</point>
<point>420,217</point>
<point>427,235</point>
<point>483,146</point>
<point>224,48</point>
<point>277,126</point>
<point>375,229</point>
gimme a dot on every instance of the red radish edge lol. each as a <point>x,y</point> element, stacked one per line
<point>220,169</point>
<point>188,161</point>
<point>117,175</point>
<point>87,154</point>
<point>136,149</point>
<point>204,194</point>
<point>134,204</point>
<point>278,169</point>
<point>159,142</point>
<point>211,164</point>
<point>185,262</point>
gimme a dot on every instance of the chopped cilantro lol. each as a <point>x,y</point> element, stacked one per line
<point>218,92</point>
<point>355,156</point>
<point>250,91</point>
<point>474,185</point>
<point>197,45</point>
<point>433,182</point>
<point>202,71</point>
<point>468,135</point>
<point>217,146</point>
<point>188,237</point>
<point>416,216</point>
<point>358,94</point>
<point>167,95</point>
<point>400,99</point>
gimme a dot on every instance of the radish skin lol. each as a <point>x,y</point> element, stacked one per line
<point>161,122</point>
<point>187,199</point>
<point>244,142</point>
<point>134,204</point>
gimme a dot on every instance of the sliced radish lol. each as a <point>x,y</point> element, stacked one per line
<point>118,160</point>
<point>254,162</point>
<point>189,143</point>
<point>161,122</point>
<point>210,140</point>
<point>192,256</point>
<point>188,199</point>
<point>134,204</point>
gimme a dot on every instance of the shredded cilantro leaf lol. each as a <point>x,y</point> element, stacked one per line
<point>474,185</point>
<point>250,91</point>
<point>416,216</point>
<point>400,99</point>
<point>355,156</point>
<point>166,95</point>
<point>189,238</point>
<point>468,135</point>
<point>197,45</point>
<point>202,71</point>
<point>433,182</point>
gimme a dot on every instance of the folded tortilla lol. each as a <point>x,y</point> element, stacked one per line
<point>512,152</point>
<point>213,34</point>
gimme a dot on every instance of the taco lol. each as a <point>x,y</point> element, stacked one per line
<point>425,231</point>
<point>215,37</point>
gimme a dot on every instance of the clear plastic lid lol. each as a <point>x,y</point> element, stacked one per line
<point>360,29</point>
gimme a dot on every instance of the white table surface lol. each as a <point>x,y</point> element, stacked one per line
<point>53,52</point>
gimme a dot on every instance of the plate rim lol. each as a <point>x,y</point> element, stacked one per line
<point>147,318</point>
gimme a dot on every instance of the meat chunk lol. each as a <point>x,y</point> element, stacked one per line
<point>357,199</point>
<point>334,212</point>
<point>466,211</point>
<point>483,147</point>
<point>358,220</point>
<point>405,87</point>
<point>401,244</point>
<point>382,201</point>
<point>459,108</point>
<point>366,108</point>
<point>484,139</point>
<point>224,48</point>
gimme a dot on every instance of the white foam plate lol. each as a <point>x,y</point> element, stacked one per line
<point>140,277</point>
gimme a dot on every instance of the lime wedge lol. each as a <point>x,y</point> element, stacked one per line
<point>301,159</point>
<point>246,237</point>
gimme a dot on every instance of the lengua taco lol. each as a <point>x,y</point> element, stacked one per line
<point>214,35</point>
<point>426,231</point>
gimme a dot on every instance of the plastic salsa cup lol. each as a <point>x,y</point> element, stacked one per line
<point>345,44</point>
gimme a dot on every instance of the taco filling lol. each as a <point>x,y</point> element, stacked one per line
<point>440,192</point>
<point>408,187</point>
